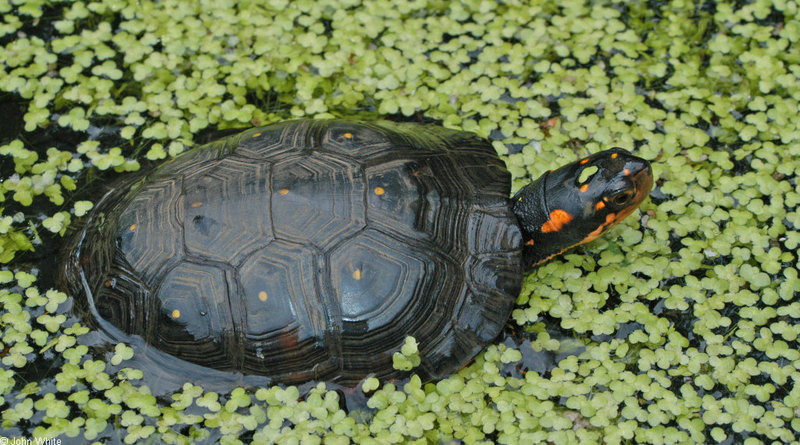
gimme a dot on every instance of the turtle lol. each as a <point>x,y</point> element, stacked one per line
<point>311,249</point>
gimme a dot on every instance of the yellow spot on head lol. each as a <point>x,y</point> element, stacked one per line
<point>520,198</point>
<point>176,314</point>
<point>132,227</point>
<point>283,191</point>
<point>558,219</point>
<point>584,161</point>
<point>379,191</point>
<point>600,205</point>
<point>348,135</point>
<point>610,217</point>
<point>357,274</point>
<point>262,296</point>
<point>614,155</point>
<point>196,204</point>
<point>584,187</point>
<point>255,135</point>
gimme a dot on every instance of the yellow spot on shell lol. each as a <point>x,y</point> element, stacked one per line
<point>283,191</point>
<point>614,155</point>
<point>196,204</point>
<point>348,135</point>
<point>379,191</point>
<point>529,242</point>
<point>626,172</point>
<point>584,161</point>
<point>262,296</point>
<point>357,274</point>
<point>132,227</point>
<point>255,135</point>
<point>176,314</point>
<point>584,187</point>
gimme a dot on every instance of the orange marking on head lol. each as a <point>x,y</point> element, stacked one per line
<point>255,135</point>
<point>132,227</point>
<point>379,191</point>
<point>529,242</point>
<point>600,205</point>
<point>348,135</point>
<point>614,155</point>
<point>283,191</point>
<point>611,219</point>
<point>584,187</point>
<point>196,204</point>
<point>594,234</point>
<point>558,218</point>
<point>584,161</point>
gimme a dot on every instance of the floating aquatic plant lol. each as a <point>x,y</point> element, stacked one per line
<point>681,326</point>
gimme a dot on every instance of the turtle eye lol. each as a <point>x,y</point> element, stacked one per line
<point>622,198</point>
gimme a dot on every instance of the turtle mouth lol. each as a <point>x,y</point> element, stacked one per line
<point>642,176</point>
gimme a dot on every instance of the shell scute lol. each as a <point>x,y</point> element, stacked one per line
<point>150,230</point>
<point>196,328</point>
<point>216,200</point>
<point>317,198</point>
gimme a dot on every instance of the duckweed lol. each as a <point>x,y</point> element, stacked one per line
<point>678,326</point>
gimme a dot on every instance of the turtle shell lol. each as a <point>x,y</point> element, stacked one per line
<point>309,250</point>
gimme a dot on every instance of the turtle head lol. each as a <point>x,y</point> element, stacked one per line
<point>579,202</point>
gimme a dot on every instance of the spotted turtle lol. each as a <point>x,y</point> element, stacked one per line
<point>311,249</point>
